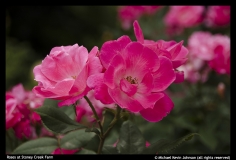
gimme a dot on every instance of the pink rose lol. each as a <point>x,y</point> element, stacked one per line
<point>221,60</point>
<point>127,14</point>
<point>174,51</point>
<point>217,16</point>
<point>179,17</point>
<point>13,116</point>
<point>200,45</point>
<point>63,74</point>
<point>135,78</point>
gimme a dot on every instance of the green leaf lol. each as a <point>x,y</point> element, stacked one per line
<point>164,145</point>
<point>109,149</point>
<point>69,111</point>
<point>43,145</point>
<point>95,130</point>
<point>57,121</point>
<point>76,139</point>
<point>51,103</point>
<point>208,138</point>
<point>11,140</point>
<point>93,144</point>
<point>131,140</point>
<point>85,151</point>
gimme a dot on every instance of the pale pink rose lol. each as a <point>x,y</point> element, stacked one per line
<point>135,77</point>
<point>174,51</point>
<point>64,151</point>
<point>195,69</point>
<point>179,17</point>
<point>200,45</point>
<point>127,14</point>
<point>221,49</point>
<point>84,110</point>
<point>62,75</point>
<point>217,16</point>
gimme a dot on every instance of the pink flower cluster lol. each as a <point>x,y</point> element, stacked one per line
<point>206,48</point>
<point>217,16</point>
<point>132,74</point>
<point>19,114</point>
<point>180,17</point>
<point>127,14</point>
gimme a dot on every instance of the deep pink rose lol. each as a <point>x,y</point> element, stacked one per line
<point>13,116</point>
<point>217,16</point>
<point>23,129</point>
<point>127,14</point>
<point>62,75</point>
<point>19,113</point>
<point>174,51</point>
<point>135,77</point>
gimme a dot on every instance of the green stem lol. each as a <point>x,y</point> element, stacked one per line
<point>99,123</point>
<point>74,105</point>
<point>113,122</point>
<point>59,143</point>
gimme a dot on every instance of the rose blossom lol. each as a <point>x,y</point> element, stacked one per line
<point>135,78</point>
<point>221,49</point>
<point>215,49</point>
<point>217,16</point>
<point>200,45</point>
<point>62,75</point>
<point>180,17</point>
<point>195,69</point>
<point>13,116</point>
<point>19,113</point>
<point>176,52</point>
<point>127,14</point>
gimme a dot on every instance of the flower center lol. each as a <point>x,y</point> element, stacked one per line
<point>74,77</point>
<point>131,80</point>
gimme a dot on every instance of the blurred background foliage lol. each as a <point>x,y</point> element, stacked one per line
<point>32,31</point>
